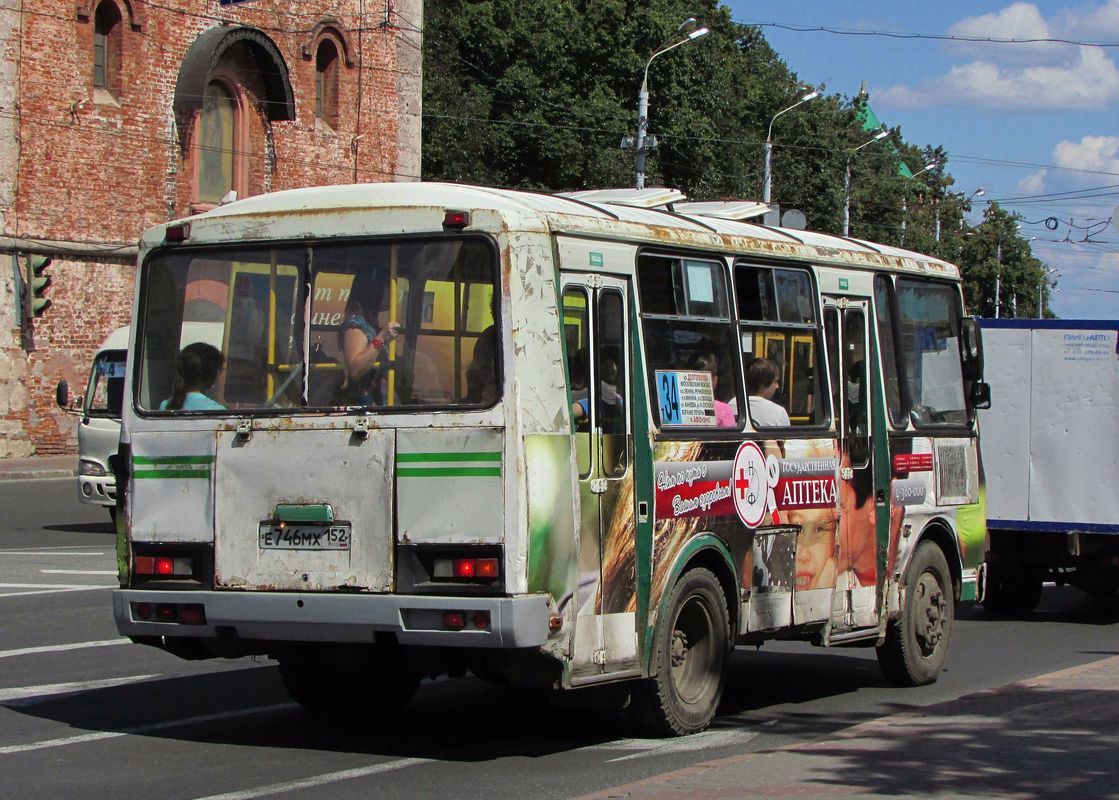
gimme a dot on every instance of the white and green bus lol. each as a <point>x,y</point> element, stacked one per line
<point>527,436</point>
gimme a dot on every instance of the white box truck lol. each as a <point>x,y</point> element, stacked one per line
<point>1050,450</point>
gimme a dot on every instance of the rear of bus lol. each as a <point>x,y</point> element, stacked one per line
<point>329,519</point>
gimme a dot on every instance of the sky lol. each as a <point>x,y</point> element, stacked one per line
<point>1034,121</point>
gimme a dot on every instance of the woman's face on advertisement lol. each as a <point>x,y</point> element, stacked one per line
<point>815,547</point>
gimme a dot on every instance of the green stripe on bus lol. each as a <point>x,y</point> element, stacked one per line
<point>449,472</point>
<point>171,473</point>
<point>413,458</point>
<point>173,459</point>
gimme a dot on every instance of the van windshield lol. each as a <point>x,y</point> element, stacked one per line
<point>105,391</point>
<point>384,324</point>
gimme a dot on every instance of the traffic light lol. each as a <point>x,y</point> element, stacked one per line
<point>35,283</point>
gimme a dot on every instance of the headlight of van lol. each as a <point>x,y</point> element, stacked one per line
<point>92,468</point>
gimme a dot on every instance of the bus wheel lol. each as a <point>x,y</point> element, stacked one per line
<point>1011,589</point>
<point>916,643</point>
<point>335,682</point>
<point>690,657</point>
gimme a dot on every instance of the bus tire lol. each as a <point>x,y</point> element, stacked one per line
<point>690,658</point>
<point>1012,589</point>
<point>916,643</point>
<point>336,682</point>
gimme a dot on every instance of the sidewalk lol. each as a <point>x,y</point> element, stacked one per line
<point>39,467</point>
<point>1053,736</point>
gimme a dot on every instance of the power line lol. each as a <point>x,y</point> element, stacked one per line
<point>931,36</point>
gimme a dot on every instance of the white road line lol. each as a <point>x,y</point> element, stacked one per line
<point>30,695</point>
<point>319,780</point>
<point>142,729</point>
<point>58,648</point>
<point>50,553</point>
<point>50,590</point>
<point>52,550</point>
<point>700,741</point>
<point>78,571</point>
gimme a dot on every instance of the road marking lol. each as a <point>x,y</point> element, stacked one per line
<point>30,695</point>
<point>78,571</point>
<point>47,553</point>
<point>29,550</point>
<point>58,648</point>
<point>47,588</point>
<point>141,729</point>
<point>700,741</point>
<point>319,780</point>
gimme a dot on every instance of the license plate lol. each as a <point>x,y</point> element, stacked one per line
<point>304,536</point>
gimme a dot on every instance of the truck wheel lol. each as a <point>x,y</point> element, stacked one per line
<point>689,656</point>
<point>379,679</point>
<point>1011,590</point>
<point>916,643</point>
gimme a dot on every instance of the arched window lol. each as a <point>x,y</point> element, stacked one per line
<point>106,47</point>
<point>216,152</point>
<point>326,82</point>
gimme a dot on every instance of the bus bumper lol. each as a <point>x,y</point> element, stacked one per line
<point>307,617</point>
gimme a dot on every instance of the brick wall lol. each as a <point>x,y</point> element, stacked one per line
<point>78,166</point>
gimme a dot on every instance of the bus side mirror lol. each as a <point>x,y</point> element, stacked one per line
<point>980,395</point>
<point>971,349</point>
<point>62,394</point>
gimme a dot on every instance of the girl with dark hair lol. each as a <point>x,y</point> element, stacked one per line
<point>196,371</point>
<point>362,344</point>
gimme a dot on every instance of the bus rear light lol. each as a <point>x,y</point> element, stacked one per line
<point>456,220</point>
<point>454,620</point>
<point>479,569</point>
<point>481,620</point>
<point>162,566</point>
<point>182,614</point>
<point>177,233</point>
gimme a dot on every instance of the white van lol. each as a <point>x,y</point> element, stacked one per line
<point>99,427</point>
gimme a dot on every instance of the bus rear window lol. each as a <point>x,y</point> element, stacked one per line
<point>355,324</point>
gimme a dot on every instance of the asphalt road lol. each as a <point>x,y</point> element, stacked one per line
<point>84,714</point>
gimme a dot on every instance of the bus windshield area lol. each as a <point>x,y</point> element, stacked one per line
<point>106,384</point>
<point>385,324</point>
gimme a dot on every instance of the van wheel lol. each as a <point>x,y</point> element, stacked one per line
<point>1011,589</point>
<point>341,681</point>
<point>916,644</point>
<point>689,657</point>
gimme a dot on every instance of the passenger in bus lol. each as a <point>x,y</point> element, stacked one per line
<point>762,381</point>
<point>725,413</point>
<point>363,345</point>
<point>612,405</point>
<point>481,372</point>
<point>196,371</point>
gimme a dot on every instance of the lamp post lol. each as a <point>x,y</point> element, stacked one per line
<point>882,134</point>
<point>767,181</point>
<point>643,95</point>
<point>967,203</point>
<point>1041,286</point>
<point>905,190</point>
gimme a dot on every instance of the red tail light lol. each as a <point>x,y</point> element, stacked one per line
<point>464,567</point>
<point>454,620</point>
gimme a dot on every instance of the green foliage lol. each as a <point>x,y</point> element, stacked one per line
<point>539,96</point>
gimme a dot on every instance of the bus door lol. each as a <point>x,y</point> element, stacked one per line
<point>845,327</point>
<point>595,330</point>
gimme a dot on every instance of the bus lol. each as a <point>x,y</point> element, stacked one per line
<point>99,409</point>
<point>543,462</point>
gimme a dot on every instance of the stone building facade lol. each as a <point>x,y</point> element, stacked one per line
<point>119,114</point>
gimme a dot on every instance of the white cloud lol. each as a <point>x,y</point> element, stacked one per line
<point>1023,77</point>
<point>1088,82</point>
<point>1097,153</point>
<point>1034,183</point>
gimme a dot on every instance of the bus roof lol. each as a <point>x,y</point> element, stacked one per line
<point>338,210</point>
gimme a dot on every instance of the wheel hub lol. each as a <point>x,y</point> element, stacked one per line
<point>930,612</point>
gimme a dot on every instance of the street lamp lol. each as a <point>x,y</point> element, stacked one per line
<point>643,95</point>
<point>1041,286</point>
<point>967,202</point>
<point>882,134</point>
<point>904,204</point>
<point>767,182</point>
